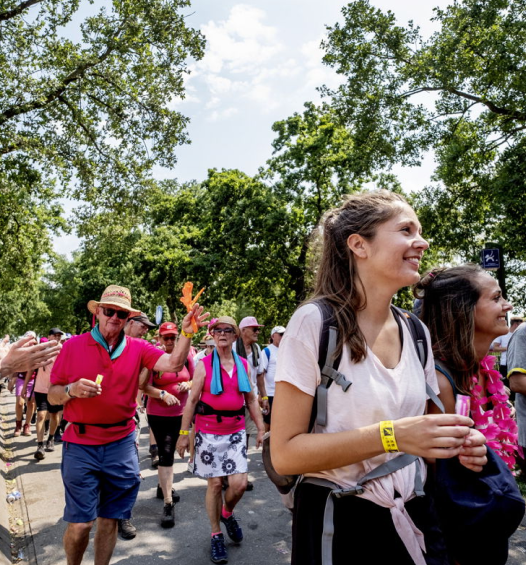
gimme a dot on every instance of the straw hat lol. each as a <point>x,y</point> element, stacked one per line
<point>114,295</point>
<point>224,320</point>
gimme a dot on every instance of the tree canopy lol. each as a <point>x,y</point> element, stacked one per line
<point>460,93</point>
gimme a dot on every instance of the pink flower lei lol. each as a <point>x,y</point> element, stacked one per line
<point>496,424</point>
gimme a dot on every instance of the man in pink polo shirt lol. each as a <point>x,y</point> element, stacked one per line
<point>96,378</point>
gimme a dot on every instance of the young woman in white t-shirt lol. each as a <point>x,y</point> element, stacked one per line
<point>372,247</point>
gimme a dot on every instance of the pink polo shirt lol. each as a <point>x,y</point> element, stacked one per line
<point>83,358</point>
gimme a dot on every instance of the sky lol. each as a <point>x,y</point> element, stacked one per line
<point>262,63</point>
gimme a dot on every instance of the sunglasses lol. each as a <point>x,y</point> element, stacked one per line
<point>169,337</point>
<point>256,330</point>
<point>110,312</point>
<point>226,331</point>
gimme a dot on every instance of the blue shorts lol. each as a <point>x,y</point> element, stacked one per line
<point>100,480</point>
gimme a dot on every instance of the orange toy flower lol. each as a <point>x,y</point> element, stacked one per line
<point>189,302</point>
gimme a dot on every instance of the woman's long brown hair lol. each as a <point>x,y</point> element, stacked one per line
<point>449,296</point>
<point>337,280</point>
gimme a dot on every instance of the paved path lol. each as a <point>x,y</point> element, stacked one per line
<point>266,523</point>
<point>38,538</point>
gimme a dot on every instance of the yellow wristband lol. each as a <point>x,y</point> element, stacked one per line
<point>388,436</point>
<point>186,334</point>
<point>264,398</point>
<point>183,432</point>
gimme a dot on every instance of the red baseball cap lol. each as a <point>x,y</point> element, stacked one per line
<point>168,328</point>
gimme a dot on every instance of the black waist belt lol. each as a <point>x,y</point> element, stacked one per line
<point>206,410</point>
<point>82,426</point>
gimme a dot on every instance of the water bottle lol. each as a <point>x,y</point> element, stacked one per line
<point>10,498</point>
<point>17,494</point>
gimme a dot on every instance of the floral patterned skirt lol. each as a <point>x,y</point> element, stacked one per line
<point>220,455</point>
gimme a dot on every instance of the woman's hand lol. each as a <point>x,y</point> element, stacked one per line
<point>439,436</point>
<point>185,386</point>
<point>197,314</point>
<point>182,445</point>
<point>473,454</point>
<point>170,399</point>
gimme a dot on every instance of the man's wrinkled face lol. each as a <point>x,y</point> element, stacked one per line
<point>251,334</point>
<point>112,319</point>
<point>138,329</point>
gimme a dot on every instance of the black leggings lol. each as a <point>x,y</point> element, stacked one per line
<point>364,532</point>
<point>166,432</point>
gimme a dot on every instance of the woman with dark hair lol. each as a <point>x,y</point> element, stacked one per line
<point>372,247</point>
<point>465,311</point>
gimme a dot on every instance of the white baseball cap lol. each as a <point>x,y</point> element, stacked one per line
<point>277,330</point>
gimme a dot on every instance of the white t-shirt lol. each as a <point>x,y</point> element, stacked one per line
<point>269,364</point>
<point>377,394</point>
<point>503,341</point>
<point>254,371</point>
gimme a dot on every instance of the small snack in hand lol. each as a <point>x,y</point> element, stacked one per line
<point>98,380</point>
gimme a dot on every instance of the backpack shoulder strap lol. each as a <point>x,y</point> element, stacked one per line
<point>416,327</point>
<point>267,353</point>
<point>328,363</point>
<point>440,367</point>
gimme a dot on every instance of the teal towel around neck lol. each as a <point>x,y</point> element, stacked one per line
<point>117,351</point>
<point>217,382</point>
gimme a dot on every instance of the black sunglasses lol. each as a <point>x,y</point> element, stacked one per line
<point>223,331</point>
<point>110,312</point>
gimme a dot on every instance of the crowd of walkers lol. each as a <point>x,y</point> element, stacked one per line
<point>344,388</point>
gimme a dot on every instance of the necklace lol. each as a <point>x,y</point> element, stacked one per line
<point>497,423</point>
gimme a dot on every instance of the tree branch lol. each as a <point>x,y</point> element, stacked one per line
<point>514,114</point>
<point>7,15</point>
<point>42,102</point>
<point>84,127</point>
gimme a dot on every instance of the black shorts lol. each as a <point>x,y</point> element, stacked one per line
<point>44,405</point>
<point>363,531</point>
<point>165,429</point>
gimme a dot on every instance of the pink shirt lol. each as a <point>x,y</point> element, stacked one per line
<point>83,358</point>
<point>42,378</point>
<point>170,383</point>
<point>230,399</point>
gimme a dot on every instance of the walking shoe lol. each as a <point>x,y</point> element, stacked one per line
<point>18,428</point>
<point>250,486</point>
<point>218,553</point>
<point>27,430</point>
<point>234,531</point>
<point>168,519</point>
<point>50,445</point>
<point>175,497</point>
<point>39,453</point>
<point>126,529</point>
<point>58,436</point>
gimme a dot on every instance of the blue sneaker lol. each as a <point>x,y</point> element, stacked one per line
<point>234,531</point>
<point>218,553</point>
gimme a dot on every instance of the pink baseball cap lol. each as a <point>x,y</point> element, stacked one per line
<point>249,322</point>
